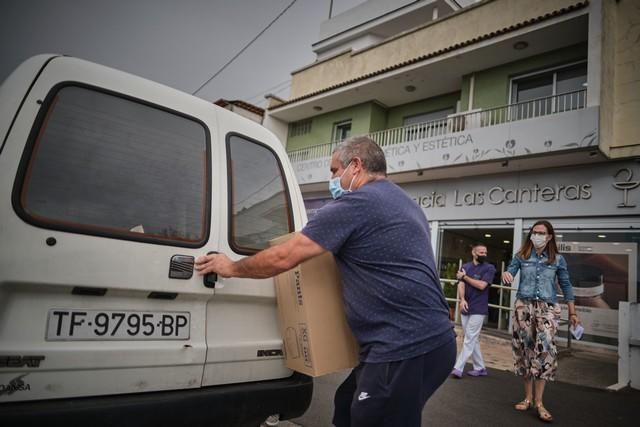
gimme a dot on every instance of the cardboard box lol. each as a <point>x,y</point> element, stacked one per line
<point>317,339</point>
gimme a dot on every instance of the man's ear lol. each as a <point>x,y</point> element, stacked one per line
<point>357,164</point>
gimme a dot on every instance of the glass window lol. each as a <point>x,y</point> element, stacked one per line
<point>548,92</point>
<point>603,269</point>
<point>570,82</point>
<point>426,125</point>
<point>572,79</point>
<point>299,128</point>
<point>455,250</point>
<point>342,131</point>
<point>106,165</point>
<point>533,87</point>
<point>259,200</point>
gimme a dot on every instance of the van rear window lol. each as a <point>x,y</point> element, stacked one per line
<point>104,164</point>
<point>259,201</point>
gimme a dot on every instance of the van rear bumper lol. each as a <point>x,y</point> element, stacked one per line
<point>246,404</point>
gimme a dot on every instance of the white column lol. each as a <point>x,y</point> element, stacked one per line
<point>472,88</point>
<point>434,226</point>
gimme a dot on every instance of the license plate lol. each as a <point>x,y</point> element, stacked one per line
<point>93,325</point>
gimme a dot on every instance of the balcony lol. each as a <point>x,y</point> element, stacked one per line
<point>544,125</point>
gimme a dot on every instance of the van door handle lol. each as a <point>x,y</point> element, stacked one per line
<point>210,279</point>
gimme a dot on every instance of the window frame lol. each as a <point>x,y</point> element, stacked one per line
<point>242,250</point>
<point>300,128</point>
<point>33,140</point>
<point>338,125</point>
<point>553,69</point>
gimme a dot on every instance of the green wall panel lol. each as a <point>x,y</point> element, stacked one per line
<point>378,118</point>
<point>492,85</point>
<point>464,93</point>
<point>365,118</point>
<point>396,115</point>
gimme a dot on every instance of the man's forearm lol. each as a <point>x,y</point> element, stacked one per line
<point>478,284</point>
<point>267,263</point>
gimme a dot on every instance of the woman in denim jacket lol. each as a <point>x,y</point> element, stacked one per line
<point>536,312</point>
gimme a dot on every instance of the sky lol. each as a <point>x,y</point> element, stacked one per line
<point>177,43</point>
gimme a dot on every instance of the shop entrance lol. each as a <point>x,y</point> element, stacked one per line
<point>455,249</point>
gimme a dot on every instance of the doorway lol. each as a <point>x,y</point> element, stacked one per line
<point>455,250</point>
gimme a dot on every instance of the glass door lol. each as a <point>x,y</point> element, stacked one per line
<point>455,249</point>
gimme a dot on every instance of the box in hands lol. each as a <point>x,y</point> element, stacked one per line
<point>317,339</point>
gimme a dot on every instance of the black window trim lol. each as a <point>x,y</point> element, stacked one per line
<point>241,250</point>
<point>43,222</point>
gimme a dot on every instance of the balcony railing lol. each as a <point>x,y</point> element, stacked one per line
<point>460,122</point>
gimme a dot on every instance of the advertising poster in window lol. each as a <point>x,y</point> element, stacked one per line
<point>602,275</point>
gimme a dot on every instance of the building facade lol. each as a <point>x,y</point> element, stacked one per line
<point>491,116</point>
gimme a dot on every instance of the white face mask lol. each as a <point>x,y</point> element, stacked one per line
<point>539,241</point>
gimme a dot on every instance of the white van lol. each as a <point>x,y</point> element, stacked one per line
<point>110,185</point>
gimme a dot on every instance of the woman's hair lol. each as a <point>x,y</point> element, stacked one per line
<point>552,247</point>
<point>366,150</point>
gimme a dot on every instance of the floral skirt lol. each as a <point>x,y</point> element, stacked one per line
<point>534,328</point>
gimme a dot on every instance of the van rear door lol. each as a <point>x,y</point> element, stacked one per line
<point>105,199</point>
<point>263,201</point>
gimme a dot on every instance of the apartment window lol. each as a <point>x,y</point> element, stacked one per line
<point>550,91</point>
<point>259,202</point>
<point>105,165</point>
<point>426,125</point>
<point>341,131</point>
<point>299,128</point>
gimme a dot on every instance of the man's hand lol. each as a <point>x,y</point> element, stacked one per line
<point>215,263</point>
<point>464,306</point>
<point>460,274</point>
<point>507,278</point>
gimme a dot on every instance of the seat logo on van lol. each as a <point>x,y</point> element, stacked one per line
<point>20,361</point>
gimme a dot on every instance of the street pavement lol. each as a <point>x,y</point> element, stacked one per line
<point>578,398</point>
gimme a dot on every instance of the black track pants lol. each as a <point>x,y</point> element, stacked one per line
<point>392,394</point>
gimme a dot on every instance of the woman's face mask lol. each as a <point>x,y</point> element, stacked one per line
<point>539,241</point>
<point>335,188</point>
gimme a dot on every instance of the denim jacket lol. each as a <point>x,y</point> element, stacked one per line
<point>538,280</point>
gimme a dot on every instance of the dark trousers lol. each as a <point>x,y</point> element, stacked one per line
<point>392,394</point>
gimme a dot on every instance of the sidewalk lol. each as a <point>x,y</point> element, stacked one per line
<point>582,365</point>
<point>577,398</point>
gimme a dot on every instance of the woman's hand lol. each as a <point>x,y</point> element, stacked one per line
<point>573,319</point>
<point>507,278</point>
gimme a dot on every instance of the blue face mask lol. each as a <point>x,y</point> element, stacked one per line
<point>335,188</point>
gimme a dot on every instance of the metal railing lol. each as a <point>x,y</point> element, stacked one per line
<point>460,122</point>
<point>501,308</point>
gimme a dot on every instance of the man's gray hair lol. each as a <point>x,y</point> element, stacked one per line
<point>366,150</point>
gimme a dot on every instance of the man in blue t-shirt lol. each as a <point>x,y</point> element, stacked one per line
<point>473,292</point>
<point>393,300</point>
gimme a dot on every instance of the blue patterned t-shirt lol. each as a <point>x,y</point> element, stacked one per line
<point>393,300</point>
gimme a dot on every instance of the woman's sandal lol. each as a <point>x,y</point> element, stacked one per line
<point>543,414</point>
<point>524,405</point>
